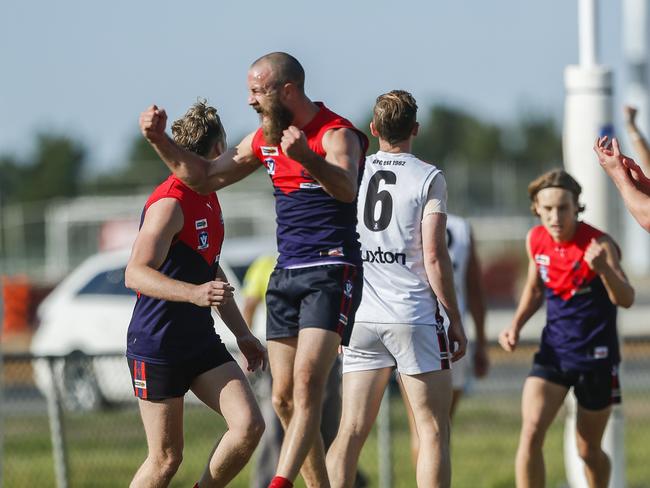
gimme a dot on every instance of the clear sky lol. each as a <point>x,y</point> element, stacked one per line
<point>88,68</point>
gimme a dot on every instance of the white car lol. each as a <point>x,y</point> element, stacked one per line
<point>87,315</point>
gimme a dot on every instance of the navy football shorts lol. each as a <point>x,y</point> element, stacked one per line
<point>324,296</point>
<point>162,381</point>
<point>594,390</point>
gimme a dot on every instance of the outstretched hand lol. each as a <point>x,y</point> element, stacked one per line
<point>613,161</point>
<point>152,123</point>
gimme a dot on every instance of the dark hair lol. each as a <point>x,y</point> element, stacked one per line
<point>556,178</point>
<point>394,115</point>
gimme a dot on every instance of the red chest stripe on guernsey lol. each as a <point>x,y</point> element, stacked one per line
<point>561,266</point>
<point>287,174</point>
<point>203,229</point>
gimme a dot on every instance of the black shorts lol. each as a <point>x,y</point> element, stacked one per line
<point>325,297</point>
<point>161,381</point>
<point>594,390</point>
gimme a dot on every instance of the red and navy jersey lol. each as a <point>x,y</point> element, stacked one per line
<point>165,332</point>
<point>580,332</point>
<point>312,226</point>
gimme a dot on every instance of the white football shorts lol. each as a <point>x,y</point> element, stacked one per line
<point>412,349</point>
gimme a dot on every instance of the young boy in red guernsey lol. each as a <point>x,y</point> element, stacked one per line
<point>576,268</point>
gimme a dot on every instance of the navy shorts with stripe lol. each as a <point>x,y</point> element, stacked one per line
<point>152,381</point>
<point>594,390</point>
<point>324,296</point>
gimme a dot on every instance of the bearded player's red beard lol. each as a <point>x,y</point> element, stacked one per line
<point>275,119</point>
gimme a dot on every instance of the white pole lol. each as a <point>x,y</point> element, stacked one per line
<point>587,32</point>
<point>589,114</point>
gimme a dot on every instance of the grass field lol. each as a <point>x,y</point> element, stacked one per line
<point>106,448</point>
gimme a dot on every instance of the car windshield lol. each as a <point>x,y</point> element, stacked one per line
<point>110,282</point>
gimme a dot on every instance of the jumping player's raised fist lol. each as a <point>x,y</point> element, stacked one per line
<point>152,123</point>
<point>212,294</point>
<point>294,143</point>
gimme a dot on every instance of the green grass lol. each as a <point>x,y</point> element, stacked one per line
<point>106,448</point>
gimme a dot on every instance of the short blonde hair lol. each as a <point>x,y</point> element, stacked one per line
<point>556,178</point>
<point>199,129</point>
<point>394,116</point>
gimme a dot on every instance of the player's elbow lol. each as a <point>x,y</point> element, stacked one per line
<point>130,277</point>
<point>347,197</point>
<point>345,194</point>
<point>626,300</point>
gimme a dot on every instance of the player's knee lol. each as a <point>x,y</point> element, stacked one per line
<point>355,428</point>
<point>255,428</point>
<point>168,462</point>
<point>308,389</point>
<point>532,435</point>
<point>282,404</point>
<point>590,453</point>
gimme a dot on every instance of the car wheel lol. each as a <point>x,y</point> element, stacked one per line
<point>79,388</point>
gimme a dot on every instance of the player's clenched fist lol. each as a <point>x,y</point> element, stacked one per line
<point>294,143</point>
<point>153,122</point>
<point>508,339</point>
<point>212,294</point>
<point>596,256</point>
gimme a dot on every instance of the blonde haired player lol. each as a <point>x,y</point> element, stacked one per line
<point>408,280</point>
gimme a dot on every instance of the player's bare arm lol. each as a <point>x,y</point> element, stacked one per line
<point>632,184</point>
<point>602,256</point>
<point>337,172</point>
<point>532,297</point>
<point>477,307</point>
<point>162,221</point>
<point>437,264</point>
<point>249,345</point>
<point>200,174</point>
<point>636,137</point>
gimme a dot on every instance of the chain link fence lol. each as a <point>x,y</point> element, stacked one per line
<point>89,433</point>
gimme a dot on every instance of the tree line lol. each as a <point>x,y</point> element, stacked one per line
<point>449,136</point>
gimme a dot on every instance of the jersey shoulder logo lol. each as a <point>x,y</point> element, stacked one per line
<point>542,259</point>
<point>269,151</point>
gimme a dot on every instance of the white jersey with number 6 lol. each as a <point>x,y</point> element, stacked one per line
<point>392,196</point>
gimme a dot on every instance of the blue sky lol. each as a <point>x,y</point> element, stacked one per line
<point>88,68</point>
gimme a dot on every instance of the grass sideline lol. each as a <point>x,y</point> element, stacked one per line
<point>105,448</point>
